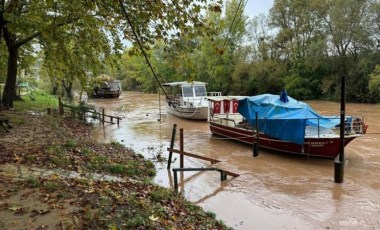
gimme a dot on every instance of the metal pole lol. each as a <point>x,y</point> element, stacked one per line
<point>172,145</point>
<point>339,164</point>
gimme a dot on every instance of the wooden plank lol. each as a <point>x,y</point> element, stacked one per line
<point>208,169</point>
<point>230,173</point>
<point>213,161</point>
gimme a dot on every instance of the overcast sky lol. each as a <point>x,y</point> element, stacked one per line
<point>255,7</point>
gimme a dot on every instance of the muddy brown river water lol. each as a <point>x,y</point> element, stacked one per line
<point>273,191</point>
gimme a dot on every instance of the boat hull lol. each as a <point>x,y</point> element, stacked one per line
<point>192,113</point>
<point>326,147</point>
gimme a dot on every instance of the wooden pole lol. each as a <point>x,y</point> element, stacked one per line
<point>211,160</point>
<point>181,148</point>
<point>175,181</point>
<point>103,115</point>
<point>159,104</point>
<point>172,145</point>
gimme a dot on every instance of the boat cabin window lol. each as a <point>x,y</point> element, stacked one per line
<point>200,91</point>
<point>187,91</point>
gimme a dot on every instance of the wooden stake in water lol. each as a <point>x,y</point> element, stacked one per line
<point>181,148</point>
<point>172,145</point>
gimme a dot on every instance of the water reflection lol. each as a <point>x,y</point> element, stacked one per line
<point>273,191</point>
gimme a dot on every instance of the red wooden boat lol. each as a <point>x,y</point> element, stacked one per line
<point>323,146</point>
<point>317,140</point>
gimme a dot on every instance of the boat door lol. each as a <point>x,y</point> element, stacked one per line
<point>187,98</point>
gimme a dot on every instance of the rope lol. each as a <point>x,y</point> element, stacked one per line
<point>140,46</point>
<point>187,115</point>
<point>229,32</point>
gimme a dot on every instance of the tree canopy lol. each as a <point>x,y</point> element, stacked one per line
<point>78,33</point>
<point>302,46</point>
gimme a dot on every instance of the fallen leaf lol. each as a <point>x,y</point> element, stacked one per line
<point>153,218</point>
<point>39,212</point>
<point>14,208</point>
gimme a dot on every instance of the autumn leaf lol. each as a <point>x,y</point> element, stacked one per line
<point>153,218</point>
<point>17,159</point>
<point>14,208</point>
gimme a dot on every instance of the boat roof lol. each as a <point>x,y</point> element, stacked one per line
<point>221,98</point>
<point>184,83</point>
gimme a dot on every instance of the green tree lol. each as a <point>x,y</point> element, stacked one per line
<point>374,85</point>
<point>348,26</point>
<point>23,23</point>
<point>267,77</point>
<point>261,39</point>
<point>299,25</point>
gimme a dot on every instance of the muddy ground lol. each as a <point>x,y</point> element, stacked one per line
<point>54,176</point>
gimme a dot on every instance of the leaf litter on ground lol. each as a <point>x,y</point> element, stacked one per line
<point>61,143</point>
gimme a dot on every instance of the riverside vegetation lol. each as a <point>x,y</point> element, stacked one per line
<point>53,175</point>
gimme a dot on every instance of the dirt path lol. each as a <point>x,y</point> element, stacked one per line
<point>22,204</point>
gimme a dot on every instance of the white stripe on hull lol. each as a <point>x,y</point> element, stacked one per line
<point>199,113</point>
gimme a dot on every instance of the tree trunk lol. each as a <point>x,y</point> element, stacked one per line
<point>9,93</point>
<point>68,88</point>
<point>54,85</point>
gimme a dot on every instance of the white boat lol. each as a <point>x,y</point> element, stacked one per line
<point>188,99</point>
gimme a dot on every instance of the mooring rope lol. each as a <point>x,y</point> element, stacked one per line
<point>140,46</point>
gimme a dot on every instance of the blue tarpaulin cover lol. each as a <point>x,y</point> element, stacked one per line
<point>282,117</point>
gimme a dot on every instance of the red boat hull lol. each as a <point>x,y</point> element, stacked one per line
<point>319,147</point>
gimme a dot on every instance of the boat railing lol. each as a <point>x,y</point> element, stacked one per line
<point>225,121</point>
<point>353,125</point>
<point>214,94</point>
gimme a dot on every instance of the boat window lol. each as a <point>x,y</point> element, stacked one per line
<point>187,91</point>
<point>200,91</point>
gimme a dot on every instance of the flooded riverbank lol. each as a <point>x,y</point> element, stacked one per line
<point>273,191</point>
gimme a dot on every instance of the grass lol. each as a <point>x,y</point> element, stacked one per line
<point>71,144</point>
<point>115,168</point>
<point>95,162</point>
<point>32,182</point>
<point>30,158</point>
<point>56,150</point>
<point>50,186</point>
<point>116,144</point>
<point>160,194</point>
<point>60,161</point>
<point>41,102</point>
